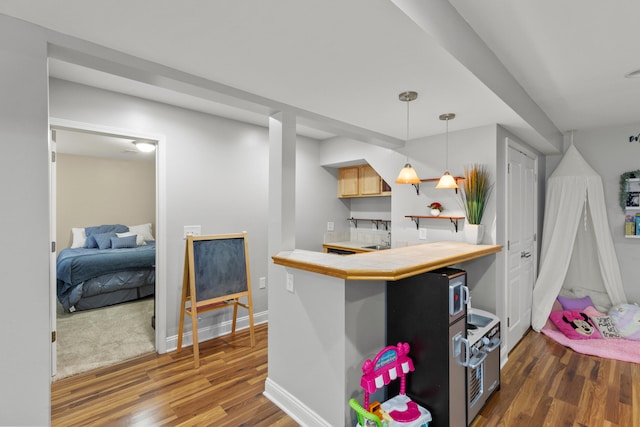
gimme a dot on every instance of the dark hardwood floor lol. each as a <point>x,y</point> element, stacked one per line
<point>543,384</point>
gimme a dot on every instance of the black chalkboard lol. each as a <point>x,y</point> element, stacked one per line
<point>216,276</point>
<point>220,268</point>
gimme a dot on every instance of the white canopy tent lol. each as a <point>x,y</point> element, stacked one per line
<point>577,249</point>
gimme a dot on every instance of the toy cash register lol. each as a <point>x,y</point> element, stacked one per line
<point>390,363</point>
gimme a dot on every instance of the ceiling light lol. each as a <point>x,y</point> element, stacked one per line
<point>408,174</point>
<point>144,146</point>
<point>447,181</point>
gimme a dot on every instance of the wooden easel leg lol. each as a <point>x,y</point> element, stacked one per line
<point>194,332</point>
<point>251,331</point>
<point>235,316</point>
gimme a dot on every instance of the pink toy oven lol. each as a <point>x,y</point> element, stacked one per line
<point>390,363</point>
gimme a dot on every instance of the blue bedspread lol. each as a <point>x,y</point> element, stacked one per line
<point>75,266</point>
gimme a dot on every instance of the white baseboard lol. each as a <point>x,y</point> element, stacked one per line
<point>215,331</point>
<point>292,406</point>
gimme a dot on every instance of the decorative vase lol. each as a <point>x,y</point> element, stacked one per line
<point>473,233</point>
<point>435,212</point>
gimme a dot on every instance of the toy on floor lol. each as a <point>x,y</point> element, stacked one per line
<point>389,364</point>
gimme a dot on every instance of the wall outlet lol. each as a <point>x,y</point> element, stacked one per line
<point>263,282</point>
<point>422,234</point>
<point>330,226</point>
<point>192,230</point>
<point>290,282</point>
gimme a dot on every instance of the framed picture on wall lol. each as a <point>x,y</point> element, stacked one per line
<point>633,199</point>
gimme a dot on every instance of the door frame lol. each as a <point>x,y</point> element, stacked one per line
<point>161,213</point>
<point>511,143</point>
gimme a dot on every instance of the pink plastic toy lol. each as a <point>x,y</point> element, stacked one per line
<point>390,364</point>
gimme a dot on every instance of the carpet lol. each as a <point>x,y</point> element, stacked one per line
<point>613,348</point>
<point>101,337</point>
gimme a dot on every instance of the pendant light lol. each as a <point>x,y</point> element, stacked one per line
<point>447,181</point>
<point>408,174</point>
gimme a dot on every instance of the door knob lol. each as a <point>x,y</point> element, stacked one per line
<point>524,254</point>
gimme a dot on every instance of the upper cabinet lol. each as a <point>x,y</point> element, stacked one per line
<point>361,181</point>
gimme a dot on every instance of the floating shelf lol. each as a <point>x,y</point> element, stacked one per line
<point>377,222</point>
<point>454,219</point>
<point>417,186</point>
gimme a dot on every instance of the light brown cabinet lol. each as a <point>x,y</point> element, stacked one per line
<point>361,181</point>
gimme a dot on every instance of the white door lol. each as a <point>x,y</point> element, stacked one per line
<point>521,245</point>
<point>52,261</point>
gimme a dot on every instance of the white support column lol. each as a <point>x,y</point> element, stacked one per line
<point>282,182</point>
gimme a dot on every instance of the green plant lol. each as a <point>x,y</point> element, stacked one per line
<point>475,191</point>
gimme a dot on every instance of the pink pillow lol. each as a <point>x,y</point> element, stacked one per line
<point>592,312</point>
<point>575,325</point>
<point>575,303</point>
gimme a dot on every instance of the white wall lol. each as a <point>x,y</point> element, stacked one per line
<point>217,177</point>
<point>608,151</point>
<point>24,255</point>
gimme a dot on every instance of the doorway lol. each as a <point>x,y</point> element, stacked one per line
<point>522,191</point>
<point>92,133</point>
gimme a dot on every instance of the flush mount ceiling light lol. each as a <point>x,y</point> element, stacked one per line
<point>447,181</point>
<point>408,174</point>
<point>144,146</point>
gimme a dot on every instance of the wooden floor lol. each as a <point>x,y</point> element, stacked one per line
<point>547,384</point>
<point>543,384</point>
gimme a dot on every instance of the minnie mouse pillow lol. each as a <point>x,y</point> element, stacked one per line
<point>575,324</point>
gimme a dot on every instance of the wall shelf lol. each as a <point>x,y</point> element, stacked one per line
<point>385,222</point>
<point>454,219</point>
<point>417,186</point>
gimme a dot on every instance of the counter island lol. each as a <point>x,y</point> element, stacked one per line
<point>327,315</point>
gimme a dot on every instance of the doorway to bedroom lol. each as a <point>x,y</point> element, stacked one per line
<point>101,180</point>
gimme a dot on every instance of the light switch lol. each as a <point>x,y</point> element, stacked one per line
<point>330,226</point>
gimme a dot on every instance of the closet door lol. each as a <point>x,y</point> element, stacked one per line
<point>521,247</point>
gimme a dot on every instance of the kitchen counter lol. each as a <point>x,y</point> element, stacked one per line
<point>349,245</point>
<point>327,314</point>
<point>390,264</point>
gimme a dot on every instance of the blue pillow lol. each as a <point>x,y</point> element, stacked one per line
<point>123,242</point>
<point>90,232</point>
<point>103,240</point>
<point>107,228</point>
<point>91,243</point>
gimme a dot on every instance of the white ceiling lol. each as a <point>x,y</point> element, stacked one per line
<point>347,61</point>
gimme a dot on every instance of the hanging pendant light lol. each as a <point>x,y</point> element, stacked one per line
<point>408,174</point>
<point>447,181</point>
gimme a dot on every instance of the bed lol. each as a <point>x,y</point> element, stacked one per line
<point>106,265</point>
<point>614,334</point>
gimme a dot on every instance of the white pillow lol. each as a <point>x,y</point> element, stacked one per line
<point>139,237</point>
<point>143,229</point>
<point>79,238</point>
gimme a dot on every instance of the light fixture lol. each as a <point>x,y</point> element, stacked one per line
<point>144,146</point>
<point>447,181</point>
<point>408,174</point>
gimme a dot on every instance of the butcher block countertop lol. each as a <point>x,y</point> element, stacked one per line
<point>389,265</point>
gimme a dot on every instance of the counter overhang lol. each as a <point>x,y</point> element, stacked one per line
<point>389,265</point>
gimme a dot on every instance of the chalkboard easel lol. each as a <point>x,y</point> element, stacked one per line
<point>216,276</point>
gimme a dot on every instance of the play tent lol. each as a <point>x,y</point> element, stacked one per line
<point>577,253</point>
